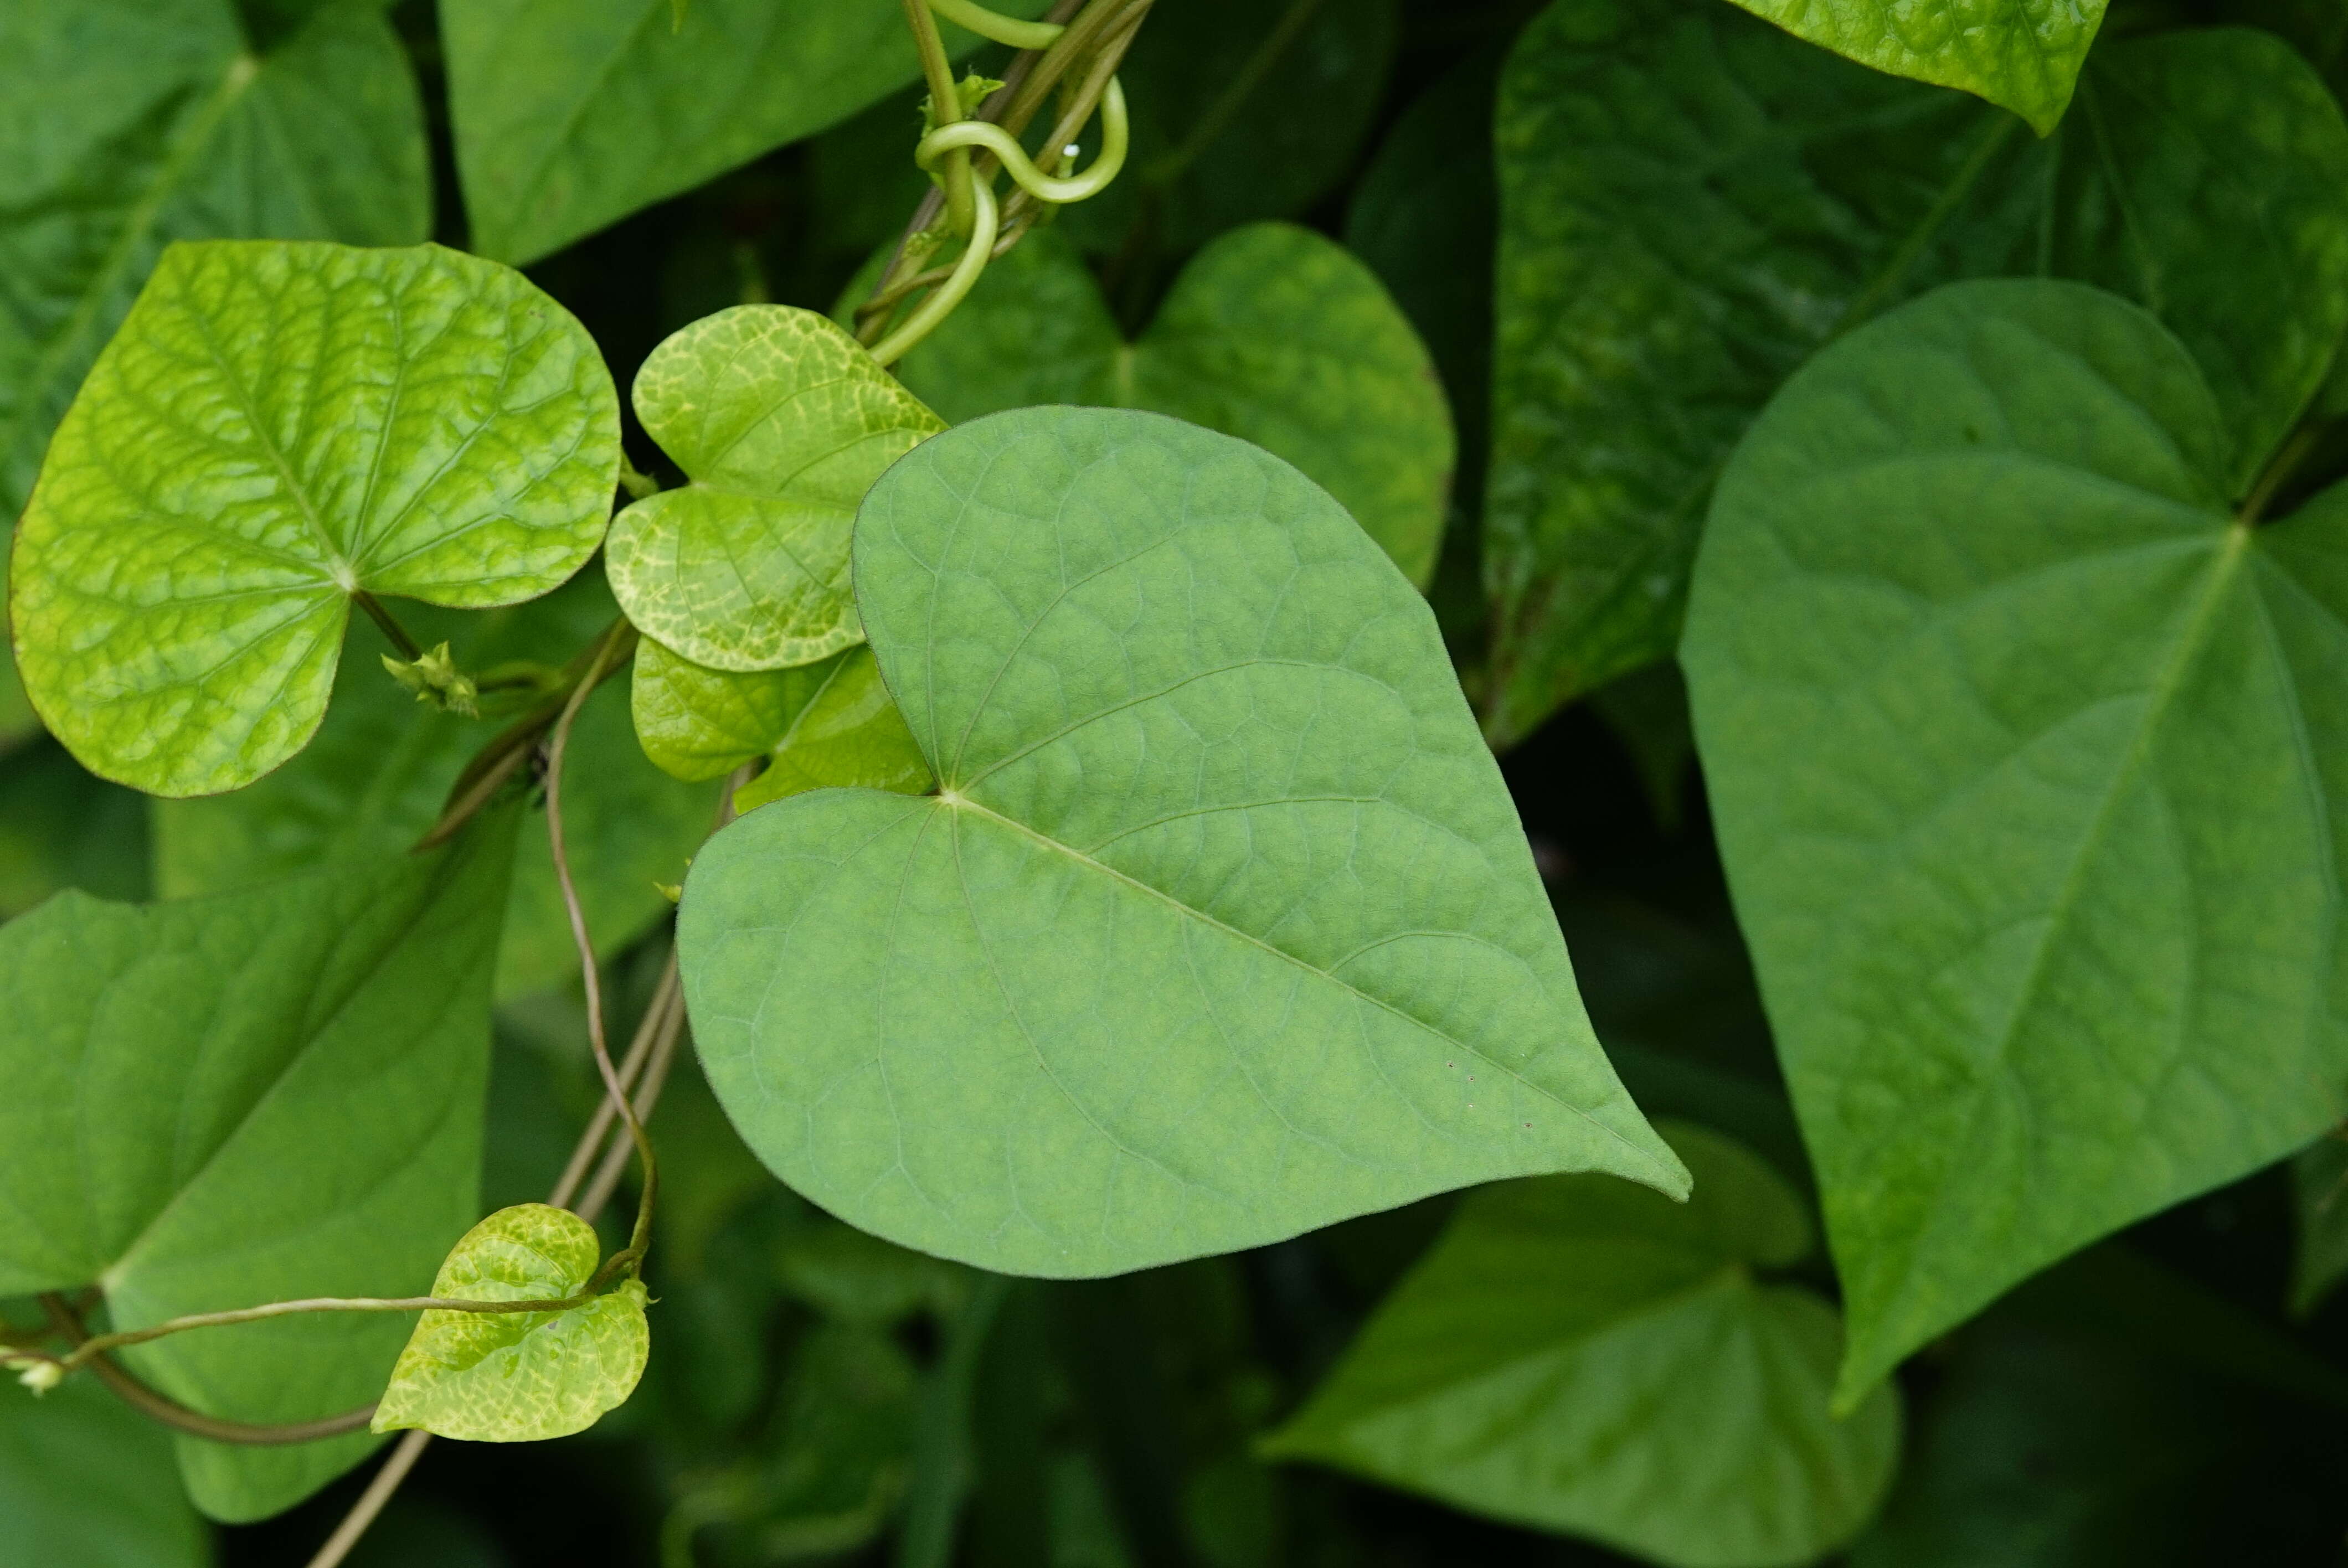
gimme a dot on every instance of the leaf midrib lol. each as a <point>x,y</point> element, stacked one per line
<point>957,801</point>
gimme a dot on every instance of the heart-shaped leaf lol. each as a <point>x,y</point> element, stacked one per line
<point>1273,334</point>
<point>783,421</point>
<point>2023,54</point>
<point>1661,275</point>
<point>336,1025</point>
<point>1221,926</point>
<point>277,427</point>
<point>519,1376</point>
<point>820,725</point>
<point>2025,758</point>
<point>569,114</point>
<point>1574,1350</point>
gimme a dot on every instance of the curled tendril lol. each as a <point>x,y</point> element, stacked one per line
<point>948,294</point>
<point>1115,136</point>
<point>1001,29</point>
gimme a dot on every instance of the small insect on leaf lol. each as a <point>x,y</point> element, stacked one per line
<point>519,1376</point>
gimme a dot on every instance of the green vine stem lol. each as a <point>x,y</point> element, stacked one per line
<point>999,28</point>
<point>1115,137</point>
<point>950,294</point>
<point>945,108</point>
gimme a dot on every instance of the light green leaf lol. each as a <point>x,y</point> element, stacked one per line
<point>2023,54</point>
<point>2319,1185</point>
<point>1075,1031</point>
<point>333,1024</point>
<point>1661,273</point>
<point>86,1481</point>
<point>133,123</point>
<point>1579,1355</point>
<point>2024,760</point>
<point>277,426</point>
<point>783,421</point>
<point>569,114</point>
<point>1239,113</point>
<point>1273,334</point>
<point>820,726</point>
<point>519,1376</point>
<point>381,768</point>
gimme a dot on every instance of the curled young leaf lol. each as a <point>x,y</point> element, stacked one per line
<point>276,428</point>
<point>519,1376</point>
<point>782,421</point>
<point>1221,926</point>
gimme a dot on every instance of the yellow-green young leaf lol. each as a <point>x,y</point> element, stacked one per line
<point>1581,1355</point>
<point>277,426</point>
<point>1221,927</point>
<point>519,1376</point>
<point>2023,54</point>
<point>294,1080</point>
<point>821,726</point>
<point>1273,334</point>
<point>782,421</point>
<point>1660,274</point>
<point>2027,759</point>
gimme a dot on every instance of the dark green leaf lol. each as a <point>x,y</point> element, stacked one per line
<point>572,113</point>
<point>277,427</point>
<point>1579,1355</point>
<point>2319,1183</point>
<point>381,768</point>
<point>293,1081</point>
<point>85,1481</point>
<point>60,827</point>
<point>1693,202</point>
<point>1273,334</point>
<point>2026,761</point>
<point>1078,1031</point>
<point>134,123</point>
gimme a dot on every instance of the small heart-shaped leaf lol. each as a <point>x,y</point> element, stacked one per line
<point>783,421</point>
<point>277,427</point>
<point>1221,927</point>
<point>519,1376</point>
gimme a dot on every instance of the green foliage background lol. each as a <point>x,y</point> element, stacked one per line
<point>1965,917</point>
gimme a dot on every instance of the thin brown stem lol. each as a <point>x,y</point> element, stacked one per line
<point>664,1055</point>
<point>630,1066</point>
<point>371,1502</point>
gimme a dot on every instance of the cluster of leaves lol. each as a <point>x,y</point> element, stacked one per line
<point>1123,878</point>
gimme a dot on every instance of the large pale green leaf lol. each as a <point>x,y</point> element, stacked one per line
<point>572,113</point>
<point>381,768</point>
<point>519,1376</point>
<point>277,426</point>
<point>86,1481</point>
<point>2023,54</point>
<point>1580,1355</point>
<point>819,726</point>
<point>1692,203</point>
<point>1273,334</point>
<point>132,123</point>
<point>1221,926</point>
<point>2027,759</point>
<point>291,1085</point>
<point>783,421</point>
